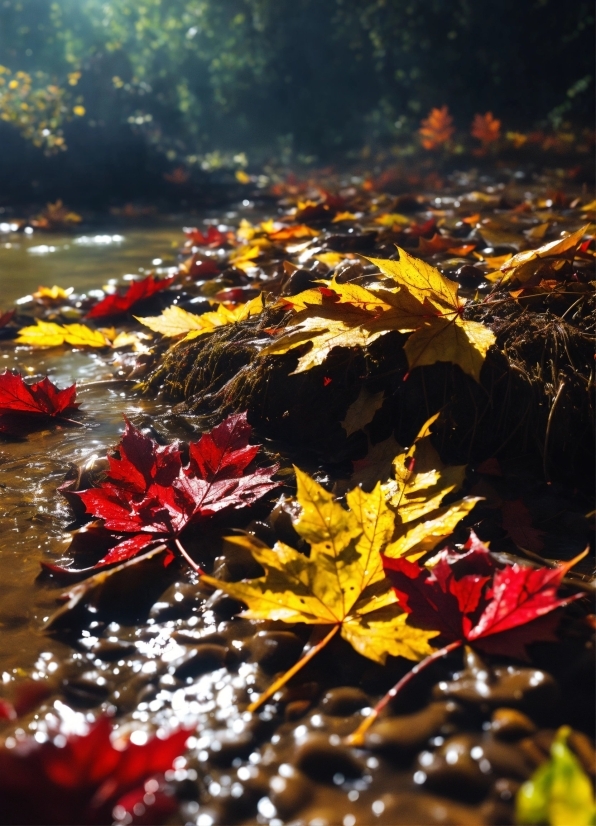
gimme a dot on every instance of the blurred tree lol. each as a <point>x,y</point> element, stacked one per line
<point>308,76</point>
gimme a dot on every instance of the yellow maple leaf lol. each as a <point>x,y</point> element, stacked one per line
<point>421,482</point>
<point>175,321</point>
<point>54,293</point>
<point>392,219</point>
<point>414,297</point>
<point>48,334</point>
<point>341,584</point>
<point>523,266</point>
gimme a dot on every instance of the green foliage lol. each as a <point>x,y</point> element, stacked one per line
<point>308,75</point>
<point>560,793</point>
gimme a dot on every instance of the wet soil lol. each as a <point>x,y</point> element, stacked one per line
<point>454,750</point>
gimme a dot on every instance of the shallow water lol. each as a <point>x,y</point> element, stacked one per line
<point>32,515</point>
<point>85,259</point>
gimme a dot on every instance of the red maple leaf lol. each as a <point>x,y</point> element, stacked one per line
<point>85,779</point>
<point>150,494</point>
<point>470,599</point>
<point>212,238</point>
<point>117,304</point>
<point>198,267</point>
<point>23,407</point>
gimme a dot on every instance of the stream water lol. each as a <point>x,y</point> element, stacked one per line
<point>32,515</point>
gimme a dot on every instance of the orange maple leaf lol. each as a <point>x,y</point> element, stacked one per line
<point>486,128</point>
<point>437,128</point>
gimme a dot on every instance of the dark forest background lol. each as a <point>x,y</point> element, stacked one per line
<point>135,88</point>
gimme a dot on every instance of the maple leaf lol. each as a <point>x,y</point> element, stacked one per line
<point>150,494</point>
<point>341,584</point>
<point>212,238</point>
<point>526,265</point>
<point>117,304</point>
<point>421,482</point>
<point>49,334</point>
<point>54,293</point>
<point>196,266</point>
<point>486,128</point>
<point>414,297</point>
<point>437,128</point>
<point>82,779</point>
<point>472,600</point>
<point>175,321</point>
<point>25,406</point>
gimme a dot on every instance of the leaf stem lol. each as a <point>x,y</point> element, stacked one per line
<point>188,558</point>
<point>357,737</point>
<point>294,669</point>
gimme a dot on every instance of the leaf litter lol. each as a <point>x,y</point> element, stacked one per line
<point>373,565</point>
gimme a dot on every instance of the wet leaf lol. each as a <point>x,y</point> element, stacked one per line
<point>175,321</point>
<point>525,265</point>
<point>470,598</point>
<point>559,793</point>
<point>26,407</point>
<point>150,494</point>
<point>53,293</point>
<point>341,583</point>
<point>81,779</point>
<point>48,334</point>
<point>118,304</point>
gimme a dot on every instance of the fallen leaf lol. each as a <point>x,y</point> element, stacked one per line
<point>83,779</point>
<point>525,265</point>
<point>559,792</point>
<point>330,586</point>
<point>393,219</point>
<point>361,412</point>
<point>212,238</point>
<point>471,599</point>
<point>150,494</point>
<point>414,298</point>
<point>175,321</point>
<point>52,293</point>
<point>118,304</point>
<point>48,334</point>
<point>24,407</point>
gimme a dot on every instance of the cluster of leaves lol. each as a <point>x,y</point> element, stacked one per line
<point>413,298</point>
<point>149,496</point>
<point>363,578</point>
<point>88,778</point>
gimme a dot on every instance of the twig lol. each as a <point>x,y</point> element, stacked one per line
<point>357,738</point>
<point>188,558</point>
<point>294,669</point>
<point>548,426</point>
